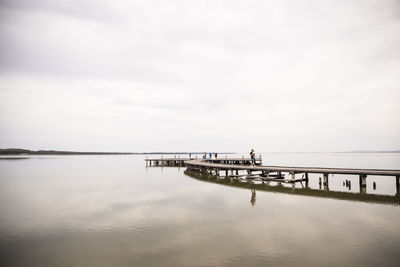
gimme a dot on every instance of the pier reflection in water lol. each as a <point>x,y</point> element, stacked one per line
<point>299,188</point>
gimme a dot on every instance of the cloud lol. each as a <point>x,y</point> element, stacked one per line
<point>321,74</point>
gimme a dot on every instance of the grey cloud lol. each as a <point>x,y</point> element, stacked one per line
<point>302,70</point>
<point>85,9</point>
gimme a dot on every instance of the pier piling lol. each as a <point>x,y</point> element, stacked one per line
<point>363,180</point>
<point>326,181</point>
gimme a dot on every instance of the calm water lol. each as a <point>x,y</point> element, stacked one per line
<point>113,211</point>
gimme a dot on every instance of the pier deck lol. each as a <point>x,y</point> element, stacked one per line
<point>174,162</point>
<point>293,170</point>
<point>177,161</point>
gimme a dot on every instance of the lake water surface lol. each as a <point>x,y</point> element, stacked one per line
<point>113,211</point>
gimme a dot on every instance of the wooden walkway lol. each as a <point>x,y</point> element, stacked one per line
<point>237,161</point>
<point>173,162</point>
<point>292,170</point>
<point>177,161</point>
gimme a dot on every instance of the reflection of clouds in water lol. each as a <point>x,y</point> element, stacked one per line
<point>109,208</point>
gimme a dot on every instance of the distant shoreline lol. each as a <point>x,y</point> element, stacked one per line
<point>21,152</point>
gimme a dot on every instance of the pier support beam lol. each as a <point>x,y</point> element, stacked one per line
<point>326,181</point>
<point>363,180</point>
<point>397,185</point>
<point>363,190</point>
<point>306,178</point>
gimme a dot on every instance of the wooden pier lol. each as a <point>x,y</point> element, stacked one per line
<point>237,161</point>
<point>177,161</point>
<point>172,162</point>
<point>240,167</point>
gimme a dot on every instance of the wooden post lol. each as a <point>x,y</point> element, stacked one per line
<point>326,181</point>
<point>363,190</point>
<point>249,173</point>
<point>363,180</point>
<point>397,185</point>
<point>306,176</point>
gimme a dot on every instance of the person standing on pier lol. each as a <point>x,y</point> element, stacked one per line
<point>253,158</point>
<point>216,155</point>
<point>204,155</point>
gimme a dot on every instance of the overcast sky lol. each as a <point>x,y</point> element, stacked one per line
<point>96,75</point>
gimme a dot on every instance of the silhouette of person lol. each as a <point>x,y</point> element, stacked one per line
<point>253,197</point>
